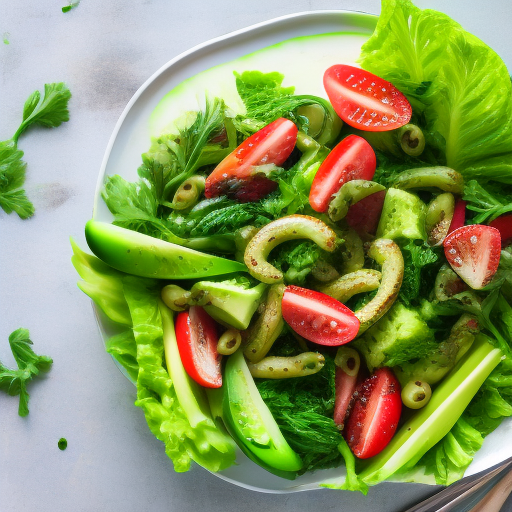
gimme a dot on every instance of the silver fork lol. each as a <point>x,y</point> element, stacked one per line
<point>449,499</point>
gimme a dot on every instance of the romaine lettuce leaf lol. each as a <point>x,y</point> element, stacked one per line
<point>123,349</point>
<point>449,459</point>
<point>460,89</point>
<point>134,302</point>
<point>156,395</point>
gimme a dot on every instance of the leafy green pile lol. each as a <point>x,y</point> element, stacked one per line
<point>50,111</point>
<point>146,206</point>
<point>303,408</point>
<point>14,382</point>
<point>453,81</point>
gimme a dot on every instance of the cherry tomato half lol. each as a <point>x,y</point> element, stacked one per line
<point>236,177</point>
<point>345,385</point>
<point>196,334</point>
<point>352,159</point>
<point>364,100</point>
<point>375,414</point>
<point>318,317</point>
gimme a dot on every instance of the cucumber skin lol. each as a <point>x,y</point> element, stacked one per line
<point>145,256</point>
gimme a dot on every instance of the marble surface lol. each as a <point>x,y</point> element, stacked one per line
<point>104,51</point>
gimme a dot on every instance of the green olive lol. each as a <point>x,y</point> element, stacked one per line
<point>348,360</point>
<point>411,139</point>
<point>229,342</point>
<point>188,193</point>
<point>416,394</point>
<point>175,297</point>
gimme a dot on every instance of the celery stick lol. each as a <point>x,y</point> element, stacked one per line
<point>429,425</point>
<point>190,394</point>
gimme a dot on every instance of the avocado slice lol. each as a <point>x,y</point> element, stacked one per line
<point>145,256</point>
<point>229,303</point>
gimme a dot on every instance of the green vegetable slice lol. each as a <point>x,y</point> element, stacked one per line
<point>252,423</point>
<point>145,256</point>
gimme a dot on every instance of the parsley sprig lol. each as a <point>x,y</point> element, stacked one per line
<point>51,110</point>
<point>14,382</point>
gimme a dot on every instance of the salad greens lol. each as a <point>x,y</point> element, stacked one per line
<point>50,111</point>
<point>452,81</point>
<point>14,382</point>
<point>303,409</point>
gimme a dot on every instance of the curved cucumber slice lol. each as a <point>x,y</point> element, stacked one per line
<point>145,256</point>
<point>253,425</point>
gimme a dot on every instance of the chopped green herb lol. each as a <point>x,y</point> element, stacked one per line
<point>72,5</point>
<point>6,37</point>
<point>62,444</point>
<point>51,111</point>
<point>14,382</point>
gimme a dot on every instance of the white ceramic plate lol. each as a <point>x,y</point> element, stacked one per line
<point>300,46</point>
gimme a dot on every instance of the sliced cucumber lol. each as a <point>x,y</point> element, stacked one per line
<point>251,421</point>
<point>145,256</point>
<point>403,216</point>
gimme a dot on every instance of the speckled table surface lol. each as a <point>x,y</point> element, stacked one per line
<point>104,51</point>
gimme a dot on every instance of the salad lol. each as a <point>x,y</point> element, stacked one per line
<point>324,283</point>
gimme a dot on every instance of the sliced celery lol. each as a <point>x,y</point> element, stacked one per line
<point>429,425</point>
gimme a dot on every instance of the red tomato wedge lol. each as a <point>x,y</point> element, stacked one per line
<point>352,159</point>
<point>236,176</point>
<point>364,215</point>
<point>345,385</point>
<point>375,414</point>
<point>196,334</point>
<point>318,317</point>
<point>459,215</point>
<point>473,252</point>
<point>364,100</point>
<point>504,225</point>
